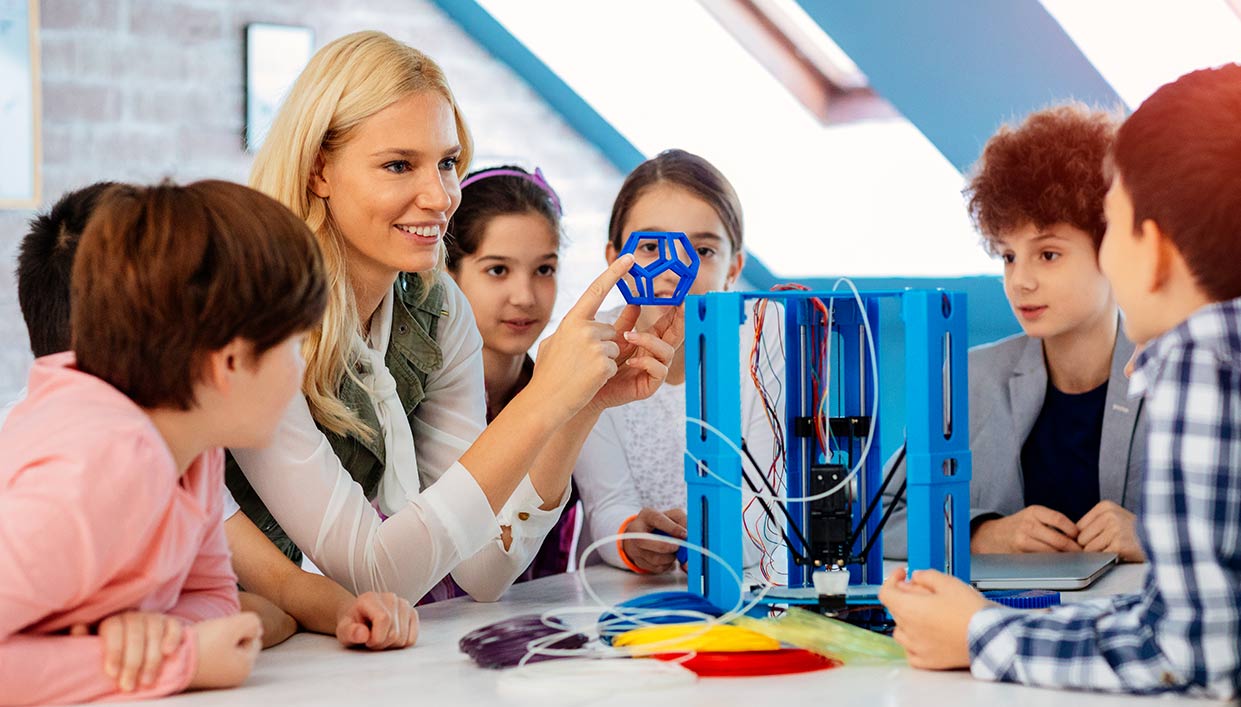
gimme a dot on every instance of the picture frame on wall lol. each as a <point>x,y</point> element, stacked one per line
<point>275,55</point>
<point>20,96</point>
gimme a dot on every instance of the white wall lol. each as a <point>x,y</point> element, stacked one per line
<point>139,90</point>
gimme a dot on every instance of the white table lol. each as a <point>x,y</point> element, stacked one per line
<point>314,670</point>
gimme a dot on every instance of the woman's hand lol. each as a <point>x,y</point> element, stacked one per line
<point>642,364</point>
<point>581,355</point>
<point>378,621</point>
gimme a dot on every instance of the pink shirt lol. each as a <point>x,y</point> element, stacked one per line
<point>94,521</point>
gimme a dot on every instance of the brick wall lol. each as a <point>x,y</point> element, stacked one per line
<point>138,90</point>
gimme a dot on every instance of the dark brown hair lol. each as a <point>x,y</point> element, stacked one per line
<point>44,266</point>
<point>165,275</point>
<point>689,172</point>
<point>1179,158</point>
<point>493,196</point>
<point>1047,170</point>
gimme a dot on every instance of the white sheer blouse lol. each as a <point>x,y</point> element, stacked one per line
<point>446,524</point>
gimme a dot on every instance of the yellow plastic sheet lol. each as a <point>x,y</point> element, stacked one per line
<point>694,637</point>
<point>825,636</point>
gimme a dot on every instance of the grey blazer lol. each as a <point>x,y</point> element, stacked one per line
<point>1008,381</point>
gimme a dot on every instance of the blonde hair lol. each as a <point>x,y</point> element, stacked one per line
<point>345,83</point>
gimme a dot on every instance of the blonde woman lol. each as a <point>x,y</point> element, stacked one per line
<point>383,472</point>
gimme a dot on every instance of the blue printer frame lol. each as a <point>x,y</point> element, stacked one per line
<point>937,428</point>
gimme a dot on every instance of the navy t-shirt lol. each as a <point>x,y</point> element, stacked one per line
<point>1060,458</point>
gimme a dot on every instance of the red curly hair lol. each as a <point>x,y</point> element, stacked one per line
<point>1047,170</point>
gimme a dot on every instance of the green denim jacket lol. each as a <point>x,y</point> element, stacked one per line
<point>412,355</point>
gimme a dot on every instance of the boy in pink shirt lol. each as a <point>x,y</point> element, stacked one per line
<point>188,305</point>
<point>286,598</point>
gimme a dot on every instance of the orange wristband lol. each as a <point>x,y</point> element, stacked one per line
<point>620,546</point>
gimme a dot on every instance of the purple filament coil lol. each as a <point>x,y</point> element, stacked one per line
<point>505,643</point>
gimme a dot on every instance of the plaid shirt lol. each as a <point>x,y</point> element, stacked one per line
<point>1182,633</point>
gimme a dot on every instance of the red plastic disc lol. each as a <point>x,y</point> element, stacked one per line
<point>784,661</point>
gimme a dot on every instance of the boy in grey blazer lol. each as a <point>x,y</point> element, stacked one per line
<point>1057,444</point>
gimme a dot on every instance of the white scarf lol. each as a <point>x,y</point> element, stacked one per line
<point>400,477</point>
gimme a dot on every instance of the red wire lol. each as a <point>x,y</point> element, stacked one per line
<point>784,661</point>
<point>760,315</point>
<point>817,398</point>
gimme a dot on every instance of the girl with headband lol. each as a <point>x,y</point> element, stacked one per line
<point>383,473</point>
<point>631,471</point>
<point>503,251</point>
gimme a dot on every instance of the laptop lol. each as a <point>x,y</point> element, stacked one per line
<point>1057,571</point>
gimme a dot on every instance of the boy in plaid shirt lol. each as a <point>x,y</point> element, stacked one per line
<point>1171,252</point>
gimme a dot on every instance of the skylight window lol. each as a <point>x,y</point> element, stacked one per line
<point>1139,45</point>
<point>868,198</point>
<point>811,39</point>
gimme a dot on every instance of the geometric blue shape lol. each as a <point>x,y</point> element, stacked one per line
<point>666,261</point>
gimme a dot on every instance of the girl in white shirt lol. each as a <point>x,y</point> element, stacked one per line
<point>368,148</point>
<point>631,470</point>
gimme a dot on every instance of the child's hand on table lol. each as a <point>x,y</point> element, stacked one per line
<point>135,644</point>
<point>227,648</point>
<point>1108,527</point>
<point>932,612</point>
<point>277,625</point>
<point>1032,529</point>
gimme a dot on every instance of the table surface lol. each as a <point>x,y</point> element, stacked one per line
<point>315,670</point>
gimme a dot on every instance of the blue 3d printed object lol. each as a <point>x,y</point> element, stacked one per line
<point>673,253</point>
